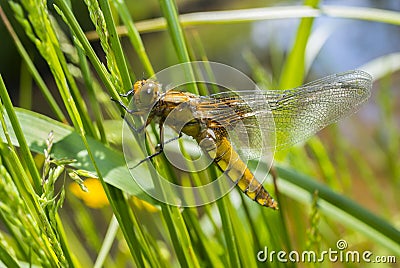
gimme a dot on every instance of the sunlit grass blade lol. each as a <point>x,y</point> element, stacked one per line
<point>90,85</point>
<point>178,39</point>
<point>19,135</point>
<point>134,36</point>
<point>6,258</point>
<point>68,16</point>
<point>381,66</point>
<point>340,207</point>
<point>293,71</point>
<point>35,74</point>
<point>224,208</point>
<point>180,236</point>
<point>67,144</point>
<point>115,44</point>
<point>362,13</point>
<point>268,13</point>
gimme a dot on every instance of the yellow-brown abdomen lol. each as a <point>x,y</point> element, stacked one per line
<point>232,165</point>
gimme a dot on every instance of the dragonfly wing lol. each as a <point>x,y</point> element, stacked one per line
<point>245,117</point>
<point>259,119</point>
<point>301,112</point>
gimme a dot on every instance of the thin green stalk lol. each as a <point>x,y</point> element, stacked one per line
<point>98,20</point>
<point>388,234</point>
<point>324,163</point>
<point>362,13</point>
<point>134,36</point>
<point>38,217</point>
<point>230,238</point>
<point>252,224</point>
<point>179,236</point>
<point>35,74</point>
<point>282,223</point>
<point>271,13</point>
<point>27,156</point>
<point>71,259</point>
<point>87,78</point>
<point>170,12</point>
<point>76,95</point>
<point>25,89</point>
<point>81,252</point>
<point>108,241</point>
<point>6,258</point>
<point>66,13</point>
<point>268,13</point>
<point>244,243</point>
<point>116,45</point>
<point>341,160</point>
<point>124,216</point>
<point>293,71</point>
<point>192,220</point>
<point>171,15</point>
<point>19,245</point>
<point>149,250</point>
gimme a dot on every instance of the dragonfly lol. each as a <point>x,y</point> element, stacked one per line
<point>297,114</point>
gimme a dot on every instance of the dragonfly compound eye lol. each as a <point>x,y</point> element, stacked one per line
<point>147,94</point>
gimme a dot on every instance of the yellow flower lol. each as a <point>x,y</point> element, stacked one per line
<point>143,205</point>
<point>95,197</point>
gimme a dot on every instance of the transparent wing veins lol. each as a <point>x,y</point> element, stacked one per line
<point>297,113</point>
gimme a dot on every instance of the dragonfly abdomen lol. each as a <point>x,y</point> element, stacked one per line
<point>229,161</point>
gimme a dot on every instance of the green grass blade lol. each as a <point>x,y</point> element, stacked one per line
<point>178,39</point>
<point>293,71</point>
<point>211,257</point>
<point>179,236</point>
<point>35,74</point>
<point>67,144</point>
<point>6,258</point>
<point>233,253</point>
<point>341,208</point>
<point>381,66</point>
<point>116,45</point>
<point>362,13</point>
<point>19,135</point>
<point>25,88</point>
<point>88,79</point>
<point>68,16</point>
<point>269,13</point>
<point>170,12</point>
<point>134,36</point>
<point>108,241</point>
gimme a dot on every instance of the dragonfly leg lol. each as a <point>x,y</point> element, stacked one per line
<point>136,130</point>
<point>127,94</point>
<point>123,106</point>
<point>159,147</point>
<point>168,141</point>
<point>147,158</point>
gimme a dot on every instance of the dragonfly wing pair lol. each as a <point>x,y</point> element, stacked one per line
<point>286,116</point>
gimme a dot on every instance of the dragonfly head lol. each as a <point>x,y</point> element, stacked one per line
<point>146,92</point>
